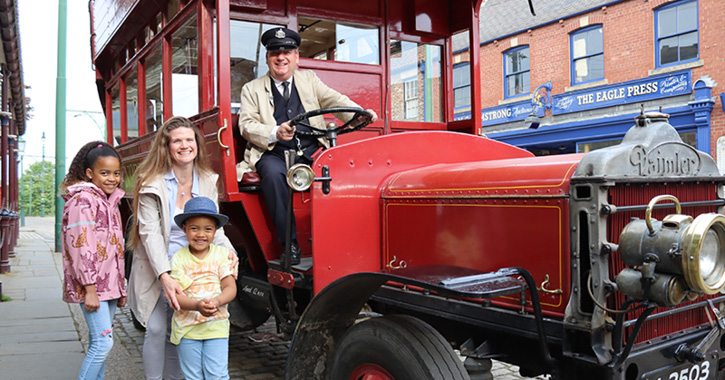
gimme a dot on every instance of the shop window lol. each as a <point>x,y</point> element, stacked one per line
<point>416,82</point>
<point>517,80</point>
<point>676,29</point>
<point>587,55</point>
<point>132,104</point>
<point>154,91</point>
<point>338,41</point>
<point>410,93</point>
<point>184,70</point>
<point>462,86</point>
<point>248,56</point>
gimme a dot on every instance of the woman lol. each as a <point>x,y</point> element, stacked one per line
<point>175,170</point>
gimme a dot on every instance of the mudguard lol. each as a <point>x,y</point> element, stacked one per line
<point>335,308</point>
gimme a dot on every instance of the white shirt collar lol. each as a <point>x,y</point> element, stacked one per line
<point>278,83</point>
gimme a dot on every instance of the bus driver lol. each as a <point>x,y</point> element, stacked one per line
<point>268,103</point>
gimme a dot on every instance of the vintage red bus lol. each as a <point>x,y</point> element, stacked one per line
<point>430,249</point>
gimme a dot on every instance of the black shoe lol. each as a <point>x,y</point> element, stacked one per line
<point>295,253</point>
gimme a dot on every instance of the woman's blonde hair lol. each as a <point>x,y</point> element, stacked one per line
<point>159,162</point>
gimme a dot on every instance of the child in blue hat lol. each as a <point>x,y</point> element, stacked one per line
<point>200,330</point>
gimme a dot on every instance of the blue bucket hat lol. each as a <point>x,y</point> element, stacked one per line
<point>201,206</point>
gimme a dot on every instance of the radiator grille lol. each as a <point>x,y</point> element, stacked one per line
<point>631,194</point>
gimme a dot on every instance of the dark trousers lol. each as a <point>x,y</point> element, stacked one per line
<point>272,170</point>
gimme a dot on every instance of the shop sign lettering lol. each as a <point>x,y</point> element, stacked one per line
<point>506,113</point>
<point>622,93</point>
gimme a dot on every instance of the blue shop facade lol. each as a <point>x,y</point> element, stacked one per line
<point>591,118</point>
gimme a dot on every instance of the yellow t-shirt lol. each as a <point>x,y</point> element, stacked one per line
<point>200,279</point>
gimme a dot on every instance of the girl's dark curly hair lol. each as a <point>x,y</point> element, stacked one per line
<point>85,159</point>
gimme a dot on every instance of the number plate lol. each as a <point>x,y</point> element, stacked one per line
<point>700,371</point>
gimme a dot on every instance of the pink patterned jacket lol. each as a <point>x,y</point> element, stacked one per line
<point>92,237</point>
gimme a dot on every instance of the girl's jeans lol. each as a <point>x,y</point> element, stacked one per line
<point>204,359</point>
<point>100,340</point>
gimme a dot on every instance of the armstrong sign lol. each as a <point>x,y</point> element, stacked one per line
<point>504,114</point>
<point>640,90</point>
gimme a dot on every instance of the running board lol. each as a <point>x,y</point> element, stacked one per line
<point>460,282</point>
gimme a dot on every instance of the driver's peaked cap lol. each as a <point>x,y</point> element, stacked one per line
<point>281,39</point>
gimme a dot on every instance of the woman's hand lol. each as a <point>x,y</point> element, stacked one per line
<point>235,263</point>
<point>91,303</point>
<point>171,289</point>
<point>121,302</point>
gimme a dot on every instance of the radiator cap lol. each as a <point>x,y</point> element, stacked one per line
<point>652,116</point>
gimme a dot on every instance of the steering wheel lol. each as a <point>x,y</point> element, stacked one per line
<point>332,132</point>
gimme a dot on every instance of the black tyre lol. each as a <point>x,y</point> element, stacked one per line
<point>395,347</point>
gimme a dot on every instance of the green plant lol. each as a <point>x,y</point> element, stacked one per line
<point>38,190</point>
<point>5,298</point>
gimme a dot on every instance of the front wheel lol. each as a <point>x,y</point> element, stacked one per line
<point>396,347</point>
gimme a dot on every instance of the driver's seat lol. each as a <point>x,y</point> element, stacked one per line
<point>250,179</point>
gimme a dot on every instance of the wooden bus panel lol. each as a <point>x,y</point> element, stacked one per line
<point>267,7</point>
<point>370,8</point>
<point>107,23</point>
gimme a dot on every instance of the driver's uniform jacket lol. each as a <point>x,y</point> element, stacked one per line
<point>256,115</point>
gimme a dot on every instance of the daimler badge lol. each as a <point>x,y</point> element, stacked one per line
<point>280,34</point>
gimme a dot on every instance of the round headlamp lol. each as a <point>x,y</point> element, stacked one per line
<point>300,177</point>
<point>690,249</point>
<point>703,256</point>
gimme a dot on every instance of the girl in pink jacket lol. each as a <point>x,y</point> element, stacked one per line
<point>93,242</point>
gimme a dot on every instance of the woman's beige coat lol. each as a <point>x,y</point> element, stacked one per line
<point>150,257</point>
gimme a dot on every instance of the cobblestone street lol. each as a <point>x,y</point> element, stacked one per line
<point>253,355</point>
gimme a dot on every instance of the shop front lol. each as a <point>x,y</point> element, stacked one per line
<point>596,117</point>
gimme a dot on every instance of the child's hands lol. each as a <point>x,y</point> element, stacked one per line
<point>121,302</point>
<point>91,303</point>
<point>207,308</point>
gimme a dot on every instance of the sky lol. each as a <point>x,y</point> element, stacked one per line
<point>38,41</point>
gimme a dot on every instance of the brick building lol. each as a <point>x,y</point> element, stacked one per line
<point>602,61</point>
<point>416,81</point>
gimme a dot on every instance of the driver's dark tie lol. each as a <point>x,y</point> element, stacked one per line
<point>286,90</point>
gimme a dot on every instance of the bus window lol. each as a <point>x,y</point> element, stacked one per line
<point>132,103</point>
<point>337,41</point>
<point>248,60</point>
<point>154,100</point>
<point>184,70</point>
<point>116,112</point>
<point>416,81</point>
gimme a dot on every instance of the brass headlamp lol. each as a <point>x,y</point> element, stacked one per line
<point>676,258</point>
<point>300,177</point>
